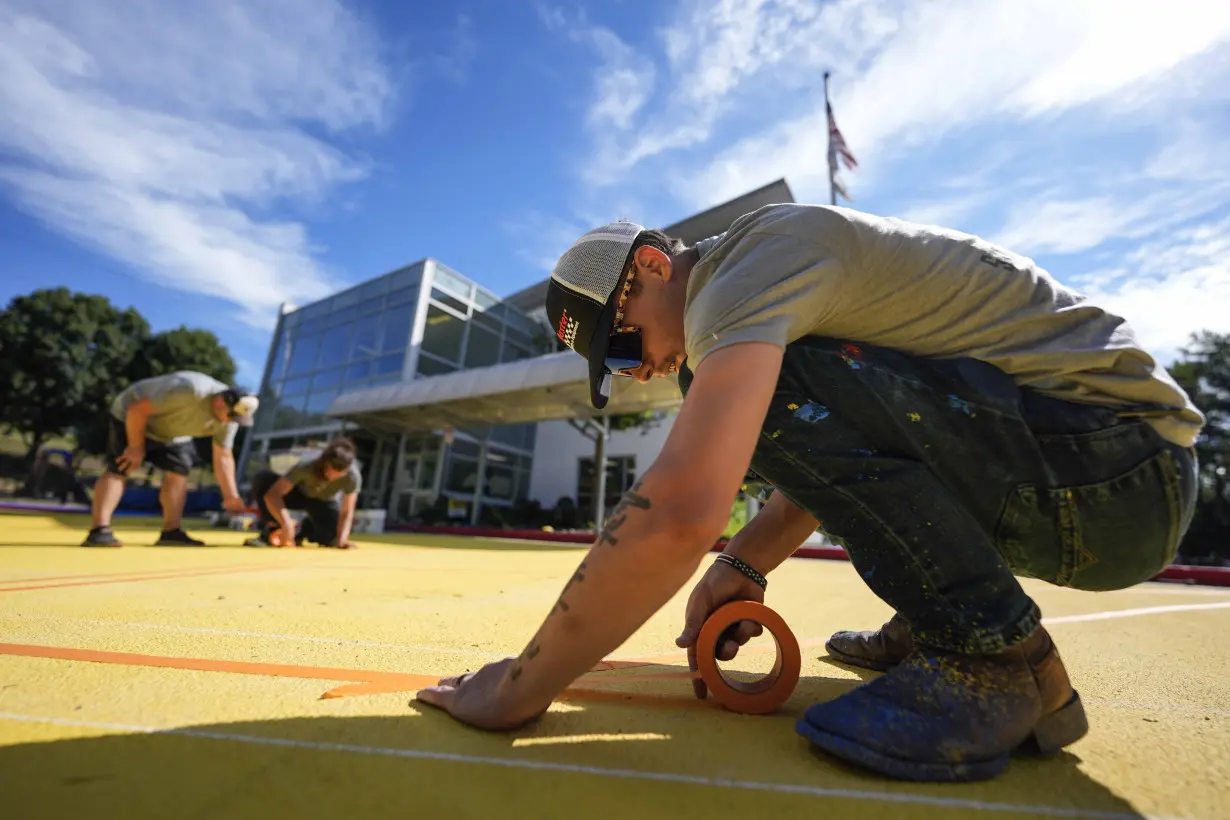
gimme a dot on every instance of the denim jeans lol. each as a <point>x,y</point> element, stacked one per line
<point>944,480</point>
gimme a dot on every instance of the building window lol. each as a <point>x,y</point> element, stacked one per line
<point>363,345</point>
<point>620,475</point>
<point>443,298</point>
<point>303,354</point>
<point>482,347</point>
<point>448,280</point>
<point>396,326</point>
<point>327,378</point>
<point>389,365</point>
<point>334,345</point>
<point>442,334</point>
<point>431,366</point>
<point>462,475</point>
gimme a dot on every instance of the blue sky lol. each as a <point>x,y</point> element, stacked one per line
<point>206,162</point>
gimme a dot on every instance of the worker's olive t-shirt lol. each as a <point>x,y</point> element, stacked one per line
<point>182,405</point>
<point>787,271</point>
<point>304,477</point>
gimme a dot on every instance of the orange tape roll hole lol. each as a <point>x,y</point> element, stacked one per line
<point>758,697</point>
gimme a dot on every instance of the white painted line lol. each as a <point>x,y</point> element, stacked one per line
<point>627,774</point>
<point>1131,613</point>
<point>563,740</point>
<point>201,630</point>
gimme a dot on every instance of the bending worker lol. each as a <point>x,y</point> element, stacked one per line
<point>944,406</point>
<point>314,487</point>
<point>155,420</point>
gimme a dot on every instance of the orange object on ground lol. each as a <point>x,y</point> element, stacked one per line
<point>756,697</point>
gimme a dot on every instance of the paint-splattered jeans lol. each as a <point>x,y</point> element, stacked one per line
<point>943,480</point>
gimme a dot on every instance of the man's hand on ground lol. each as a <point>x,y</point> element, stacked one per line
<point>720,585</point>
<point>483,699</point>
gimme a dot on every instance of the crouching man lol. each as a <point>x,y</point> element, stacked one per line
<point>155,420</point>
<point>313,487</point>
<point>945,407</point>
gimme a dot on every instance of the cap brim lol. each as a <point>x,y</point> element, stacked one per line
<point>243,421</point>
<point>600,342</point>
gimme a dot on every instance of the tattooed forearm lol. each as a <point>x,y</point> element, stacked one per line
<point>631,500</point>
<point>561,604</point>
<point>529,655</point>
<point>620,514</point>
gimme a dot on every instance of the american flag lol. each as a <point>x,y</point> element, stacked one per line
<point>837,146</point>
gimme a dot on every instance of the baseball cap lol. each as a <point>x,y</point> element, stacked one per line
<point>242,405</point>
<point>581,301</point>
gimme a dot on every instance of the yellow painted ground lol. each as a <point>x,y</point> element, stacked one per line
<point>83,738</point>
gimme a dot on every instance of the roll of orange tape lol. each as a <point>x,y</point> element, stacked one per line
<point>758,697</point>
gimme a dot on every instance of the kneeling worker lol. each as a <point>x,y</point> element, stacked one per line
<point>949,410</point>
<point>312,487</point>
<point>155,420</point>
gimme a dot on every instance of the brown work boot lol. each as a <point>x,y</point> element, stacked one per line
<point>880,650</point>
<point>947,716</point>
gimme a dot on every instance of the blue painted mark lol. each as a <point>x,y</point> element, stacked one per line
<point>957,403</point>
<point>864,452</point>
<point>812,412</point>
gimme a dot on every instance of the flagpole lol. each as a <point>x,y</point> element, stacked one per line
<point>832,186</point>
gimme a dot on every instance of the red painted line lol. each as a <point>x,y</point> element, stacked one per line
<point>186,574</point>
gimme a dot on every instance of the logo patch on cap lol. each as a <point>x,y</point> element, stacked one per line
<point>567,332</point>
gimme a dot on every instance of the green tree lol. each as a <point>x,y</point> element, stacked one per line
<point>59,352</point>
<point>1204,372</point>
<point>183,349</point>
<point>166,352</point>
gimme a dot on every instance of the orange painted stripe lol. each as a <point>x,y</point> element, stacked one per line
<point>365,681</point>
<point>132,573</point>
<point>185,574</point>
<point>66,653</point>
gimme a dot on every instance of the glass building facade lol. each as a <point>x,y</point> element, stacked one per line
<point>419,321</point>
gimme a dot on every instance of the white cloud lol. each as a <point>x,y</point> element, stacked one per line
<point>950,65</point>
<point>622,80</point>
<point>949,211</point>
<point>1171,287</point>
<point>163,134</point>
<point>540,239</point>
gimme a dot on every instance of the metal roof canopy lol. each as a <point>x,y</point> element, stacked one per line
<point>544,388</point>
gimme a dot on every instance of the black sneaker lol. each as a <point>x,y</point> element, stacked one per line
<point>177,538</point>
<point>101,537</point>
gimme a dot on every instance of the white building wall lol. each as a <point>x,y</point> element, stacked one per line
<point>559,448</point>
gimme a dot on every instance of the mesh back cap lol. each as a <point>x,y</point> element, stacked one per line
<point>581,297</point>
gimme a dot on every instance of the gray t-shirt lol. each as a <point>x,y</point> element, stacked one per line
<point>313,486</point>
<point>787,271</point>
<point>182,408</point>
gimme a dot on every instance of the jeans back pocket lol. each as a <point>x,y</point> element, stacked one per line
<point>1105,535</point>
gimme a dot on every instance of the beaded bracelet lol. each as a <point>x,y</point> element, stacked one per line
<point>744,568</point>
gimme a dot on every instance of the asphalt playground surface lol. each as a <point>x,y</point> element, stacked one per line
<point>157,682</point>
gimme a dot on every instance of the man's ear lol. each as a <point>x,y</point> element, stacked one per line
<point>653,261</point>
